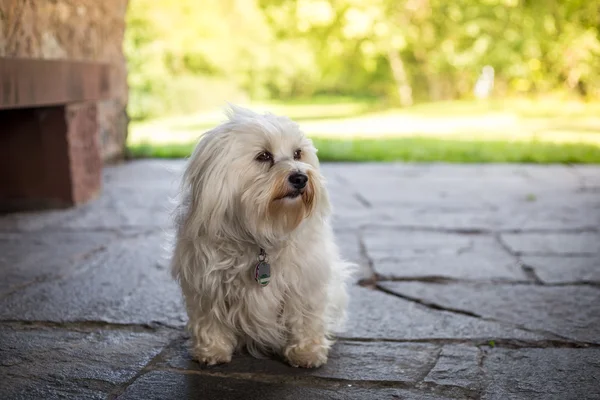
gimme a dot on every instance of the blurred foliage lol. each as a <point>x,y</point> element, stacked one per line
<point>191,54</point>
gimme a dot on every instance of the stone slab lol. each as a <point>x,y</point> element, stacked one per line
<point>508,217</point>
<point>349,245</point>
<point>33,220</point>
<point>541,175</point>
<point>570,312</point>
<point>104,262</point>
<point>590,175</point>
<point>384,244</point>
<point>542,374</point>
<point>433,254</point>
<point>581,243</point>
<point>379,192</point>
<point>42,257</point>
<point>165,385</point>
<point>565,269</point>
<point>122,207</point>
<point>469,185</point>
<point>501,220</point>
<point>130,188</point>
<point>127,282</point>
<point>352,361</point>
<point>458,365</point>
<point>56,363</point>
<point>354,218</point>
<point>136,194</point>
<point>342,194</point>
<point>377,315</point>
<point>476,197</point>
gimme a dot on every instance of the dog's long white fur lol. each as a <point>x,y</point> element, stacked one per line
<point>225,217</point>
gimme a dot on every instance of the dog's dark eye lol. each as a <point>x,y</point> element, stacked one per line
<point>298,154</point>
<point>265,156</point>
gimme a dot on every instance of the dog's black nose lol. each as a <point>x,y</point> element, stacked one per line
<point>298,180</point>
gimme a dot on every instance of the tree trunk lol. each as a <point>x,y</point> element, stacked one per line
<point>399,73</point>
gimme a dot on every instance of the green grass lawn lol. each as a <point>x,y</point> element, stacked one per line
<point>460,131</point>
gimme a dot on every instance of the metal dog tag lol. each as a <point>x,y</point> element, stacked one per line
<point>262,273</point>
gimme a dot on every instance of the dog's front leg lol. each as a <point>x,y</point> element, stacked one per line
<point>213,343</point>
<point>307,345</point>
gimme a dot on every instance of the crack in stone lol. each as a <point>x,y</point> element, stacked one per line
<point>574,283</point>
<point>87,326</point>
<point>76,260</point>
<point>442,280</point>
<point>434,306</point>
<point>428,304</point>
<point>362,200</point>
<point>477,231</point>
<point>550,254</point>
<point>530,273</point>
<point>417,228</point>
<point>72,271</point>
<point>295,380</point>
<point>119,231</point>
<point>342,180</point>
<point>481,354</point>
<point>505,246</point>
<point>318,382</point>
<point>590,189</point>
<point>120,389</point>
<point>438,354</point>
<point>373,277</point>
<point>580,178</point>
<point>372,282</point>
<point>79,257</point>
<point>357,196</point>
<point>16,288</point>
<point>518,254</point>
<point>94,384</point>
<point>437,279</point>
<point>450,390</point>
<point>466,248</point>
<point>481,342</point>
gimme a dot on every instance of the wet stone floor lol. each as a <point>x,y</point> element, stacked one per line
<point>476,282</point>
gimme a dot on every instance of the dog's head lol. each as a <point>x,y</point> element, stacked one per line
<point>255,177</point>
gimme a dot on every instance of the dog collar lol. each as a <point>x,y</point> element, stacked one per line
<point>262,271</point>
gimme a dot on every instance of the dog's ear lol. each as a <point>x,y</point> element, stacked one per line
<point>205,179</point>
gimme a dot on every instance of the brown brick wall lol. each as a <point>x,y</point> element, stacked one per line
<point>49,157</point>
<point>89,30</point>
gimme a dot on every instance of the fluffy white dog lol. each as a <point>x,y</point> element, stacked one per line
<point>254,252</point>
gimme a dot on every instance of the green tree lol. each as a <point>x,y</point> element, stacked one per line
<point>188,53</point>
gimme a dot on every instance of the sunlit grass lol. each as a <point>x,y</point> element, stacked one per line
<point>460,131</point>
<point>418,149</point>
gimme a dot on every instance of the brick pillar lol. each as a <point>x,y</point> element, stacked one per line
<point>49,157</point>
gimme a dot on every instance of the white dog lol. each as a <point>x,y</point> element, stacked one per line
<point>254,252</point>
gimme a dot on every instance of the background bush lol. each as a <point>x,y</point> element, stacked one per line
<point>189,54</point>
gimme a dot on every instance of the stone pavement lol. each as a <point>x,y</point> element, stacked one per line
<point>476,282</point>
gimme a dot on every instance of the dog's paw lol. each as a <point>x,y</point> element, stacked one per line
<point>213,356</point>
<point>310,354</point>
